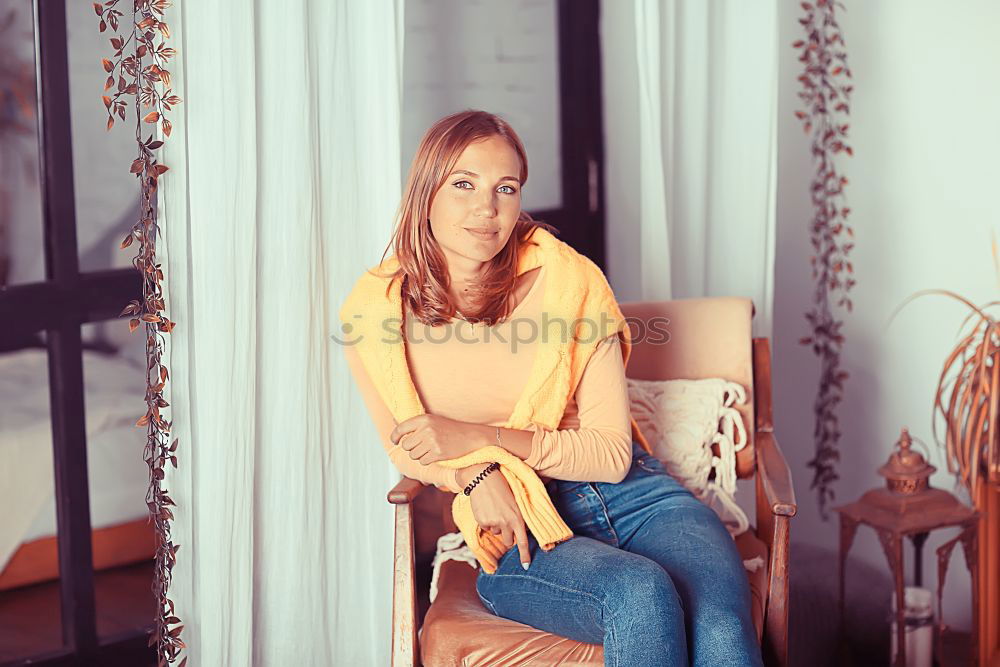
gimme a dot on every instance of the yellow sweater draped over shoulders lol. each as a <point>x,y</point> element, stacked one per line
<point>579,310</point>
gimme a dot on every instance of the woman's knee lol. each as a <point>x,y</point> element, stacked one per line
<point>642,586</point>
<point>644,618</point>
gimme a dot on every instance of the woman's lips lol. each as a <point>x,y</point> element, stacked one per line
<point>485,236</point>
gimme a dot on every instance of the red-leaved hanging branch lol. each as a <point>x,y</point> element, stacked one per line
<point>825,94</point>
<point>137,76</point>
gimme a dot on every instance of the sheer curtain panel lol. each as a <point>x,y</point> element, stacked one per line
<point>691,100</point>
<point>284,179</point>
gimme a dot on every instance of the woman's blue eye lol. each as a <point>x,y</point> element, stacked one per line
<point>510,188</point>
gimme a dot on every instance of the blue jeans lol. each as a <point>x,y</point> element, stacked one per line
<point>651,573</point>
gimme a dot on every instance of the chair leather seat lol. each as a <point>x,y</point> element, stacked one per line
<point>459,631</point>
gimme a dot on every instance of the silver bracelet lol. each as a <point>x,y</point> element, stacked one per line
<point>499,442</point>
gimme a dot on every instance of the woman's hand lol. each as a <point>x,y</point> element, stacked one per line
<point>495,509</point>
<point>429,438</point>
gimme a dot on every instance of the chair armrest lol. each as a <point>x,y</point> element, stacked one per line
<point>775,508</point>
<point>405,643</point>
<point>405,491</point>
<point>773,475</point>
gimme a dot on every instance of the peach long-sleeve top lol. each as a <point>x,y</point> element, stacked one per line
<point>475,373</point>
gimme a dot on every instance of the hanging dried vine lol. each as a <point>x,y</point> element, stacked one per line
<point>137,75</point>
<point>825,94</point>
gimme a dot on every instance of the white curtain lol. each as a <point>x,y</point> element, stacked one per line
<point>285,163</point>
<point>691,100</point>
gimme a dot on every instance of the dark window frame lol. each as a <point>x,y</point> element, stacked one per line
<point>580,219</point>
<point>60,305</point>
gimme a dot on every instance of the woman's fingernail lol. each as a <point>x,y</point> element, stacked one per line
<point>524,565</point>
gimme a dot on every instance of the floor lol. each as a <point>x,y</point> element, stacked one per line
<point>956,649</point>
<point>29,616</point>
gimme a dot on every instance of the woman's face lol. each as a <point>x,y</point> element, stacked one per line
<point>482,193</point>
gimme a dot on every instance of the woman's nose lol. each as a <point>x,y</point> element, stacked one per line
<point>486,205</point>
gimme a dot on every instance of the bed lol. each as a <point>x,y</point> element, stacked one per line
<point>118,476</point>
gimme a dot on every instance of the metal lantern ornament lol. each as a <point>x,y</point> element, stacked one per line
<point>908,506</point>
<point>907,471</point>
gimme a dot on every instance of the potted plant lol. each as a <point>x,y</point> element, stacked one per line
<point>967,396</point>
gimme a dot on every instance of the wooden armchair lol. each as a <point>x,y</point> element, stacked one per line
<point>706,338</point>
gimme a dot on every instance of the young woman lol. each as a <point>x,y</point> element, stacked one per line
<point>650,572</point>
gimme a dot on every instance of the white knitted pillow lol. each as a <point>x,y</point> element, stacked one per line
<point>681,420</point>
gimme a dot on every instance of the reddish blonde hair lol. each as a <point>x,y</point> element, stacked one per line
<point>422,264</point>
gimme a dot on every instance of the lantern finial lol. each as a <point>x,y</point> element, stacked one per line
<point>907,471</point>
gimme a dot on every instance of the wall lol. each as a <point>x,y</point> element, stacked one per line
<point>471,54</point>
<point>924,127</point>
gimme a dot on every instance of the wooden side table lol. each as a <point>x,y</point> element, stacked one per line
<point>893,517</point>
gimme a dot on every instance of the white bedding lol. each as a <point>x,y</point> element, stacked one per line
<point>118,476</point>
